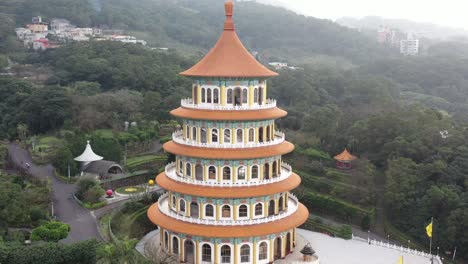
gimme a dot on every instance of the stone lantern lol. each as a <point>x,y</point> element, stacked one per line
<point>308,252</point>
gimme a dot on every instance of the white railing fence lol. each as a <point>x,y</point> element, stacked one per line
<point>170,170</point>
<point>179,138</point>
<point>188,103</point>
<point>401,249</point>
<point>164,208</point>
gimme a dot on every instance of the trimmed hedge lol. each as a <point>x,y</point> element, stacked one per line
<point>339,209</point>
<point>49,253</point>
<point>344,231</point>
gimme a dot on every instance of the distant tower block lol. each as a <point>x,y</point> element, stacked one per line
<point>228,197</point>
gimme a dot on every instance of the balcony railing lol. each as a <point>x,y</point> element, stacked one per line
<point>286,171</point>
<point>188,103</point>
<point>163,202</point>
<point>177,137</point>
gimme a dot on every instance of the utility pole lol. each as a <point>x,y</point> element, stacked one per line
<point>68,172</point>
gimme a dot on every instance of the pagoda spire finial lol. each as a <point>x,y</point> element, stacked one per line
<point>229,8</point>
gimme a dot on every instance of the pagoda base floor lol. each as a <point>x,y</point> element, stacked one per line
<point>204,250</point>
<point>151,247</point>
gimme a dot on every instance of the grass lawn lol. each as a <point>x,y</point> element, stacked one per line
<point>104,133</point>
<point>135,161</point>
<point>130,190</point>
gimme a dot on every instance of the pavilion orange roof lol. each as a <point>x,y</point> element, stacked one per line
<point>345,156</point>
<point>292,221</point>
<point>229,57</point>
<point>234,115</point>
<point>228,154</point>
<point>228,192</point>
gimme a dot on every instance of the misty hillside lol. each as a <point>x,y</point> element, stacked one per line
<point>426,30</point>
<point>192,26</point>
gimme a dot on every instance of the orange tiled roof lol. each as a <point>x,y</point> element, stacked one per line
<point>228,192</point>
<point>228,154</point>
<point>234,115</point>
<point>229,57</point>
<point>345,156</point>
<point>166,222</point>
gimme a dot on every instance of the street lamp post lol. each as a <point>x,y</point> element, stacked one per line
<point>388,239</point>
<point>409,241</point>
<point>437,251</point>
<point>368,236</point>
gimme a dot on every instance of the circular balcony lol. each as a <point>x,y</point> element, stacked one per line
<point>292,207</point>
<point>170,171</point>
<point>188,103</point>
<point>177,137</point>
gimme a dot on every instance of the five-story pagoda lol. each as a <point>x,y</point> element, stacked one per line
<point>228,197</point>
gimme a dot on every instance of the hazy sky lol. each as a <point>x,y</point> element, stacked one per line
<point>452,13</point>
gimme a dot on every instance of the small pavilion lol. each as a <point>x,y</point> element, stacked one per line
<point>88,156</point>
<point>93,164</point>
<point>344,160</point>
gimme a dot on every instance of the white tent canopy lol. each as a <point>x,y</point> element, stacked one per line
<point>88,155</point>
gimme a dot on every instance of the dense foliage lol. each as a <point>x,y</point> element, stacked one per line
<point>52,231</point>
<point>22,203</point>
<point>49,253</point>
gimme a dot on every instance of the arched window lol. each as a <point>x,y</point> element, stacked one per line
<point>166,240</point>
<point>174,201</point>
<point>188,170</point>
<point>194,133</point>
<point>254,172</point>
<point>251,135</point>
<point>227,136</point>
<point>260,135</point>
<point>240,135</point>
<point>175,245</point>
<point>244,96</point>
<point>271,208</point>
<point>241,173</point>
<point>206,253</point>
<point>203,135</point>
<point>194,211</point>
<point>209,210</point>
<point>229,96</point>
<point>187,132</point>
<point>237,96</point>
<point>212,173</point>
<point>243,211</point>
<point>226,211</point>
<point>225,254</point>
<point>182,205</point>
<point>199,172</point>
<point>268,133</point>
<point>203,95</point>
<point>255,95</point>
<point>245,254</point>
<point>208,95</point>
<point>259,209</point>
<point>194,94</point>
<point>266,171</point>
<point>226,174</point>
<point>214,135</point>
<point>275,168</point>
<point>263,251</point>
<point>181,167</point>
<point>216,96</point>
<point>280,203</point>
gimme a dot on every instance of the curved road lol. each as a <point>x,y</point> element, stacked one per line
<point>83,223</point>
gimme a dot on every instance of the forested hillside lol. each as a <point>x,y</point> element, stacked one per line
<point>194,25</point>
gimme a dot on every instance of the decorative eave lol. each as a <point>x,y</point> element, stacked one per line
<point>288,184</point>
<point>88,155</point>
<point>226,115</point>
<point>228,154</point>
<point>218,231</point>
<point>345,156</point>
<point>229,57</point>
